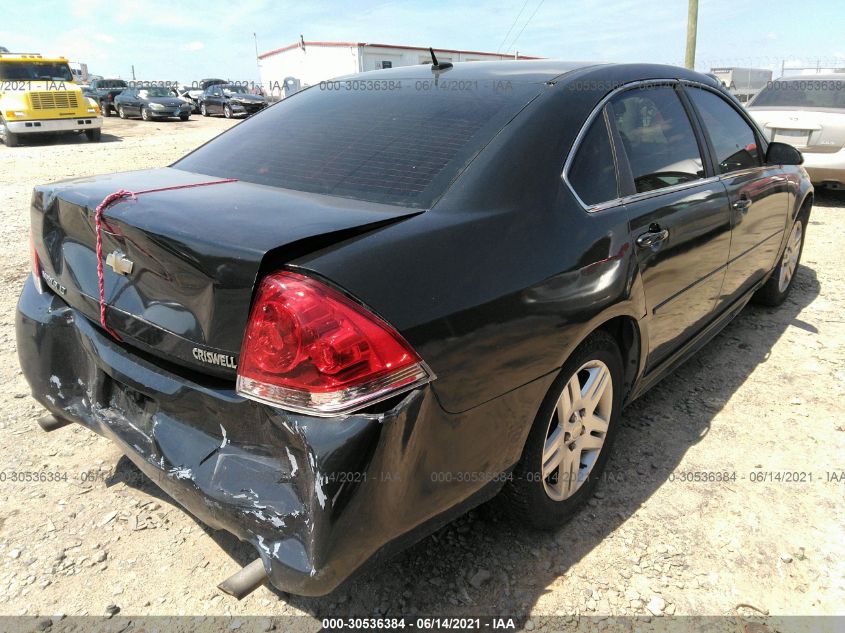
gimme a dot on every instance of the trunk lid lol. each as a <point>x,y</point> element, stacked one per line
<point>815,130</point>
<point>195,254</point>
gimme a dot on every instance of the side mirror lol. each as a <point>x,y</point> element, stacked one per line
<point>783,154</point>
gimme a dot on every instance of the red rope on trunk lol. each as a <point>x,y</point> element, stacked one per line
<point>108,201</point>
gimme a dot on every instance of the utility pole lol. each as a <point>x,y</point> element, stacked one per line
<point>692,30</point>
<point>257,60</point>
<point>133,72</point>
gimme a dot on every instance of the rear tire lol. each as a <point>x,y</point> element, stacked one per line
<point>105,108</point>
<point>94,135</point>
<point>777,288</point>
<point>184,117</point>
<point>569,443</point>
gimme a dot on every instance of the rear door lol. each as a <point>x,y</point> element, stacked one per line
<point>678,213</point>
<point>134,102</point>
<point>758,194</point>
<point>213,101</point>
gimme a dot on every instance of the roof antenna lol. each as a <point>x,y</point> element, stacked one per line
<point>435,65</point>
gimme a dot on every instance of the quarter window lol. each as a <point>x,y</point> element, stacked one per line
<point>593,173</point>
<point>733,139</point>
<point>658,138</point>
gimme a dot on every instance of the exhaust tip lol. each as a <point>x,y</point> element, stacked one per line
<point>52,423</point>
<point>245,581</point>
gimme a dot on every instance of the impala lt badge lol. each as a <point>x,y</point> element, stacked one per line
<point>119,263</point>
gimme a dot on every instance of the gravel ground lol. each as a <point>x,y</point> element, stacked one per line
<point>764,397</point>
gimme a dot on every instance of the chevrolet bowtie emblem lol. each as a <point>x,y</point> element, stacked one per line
<point>119,263</point>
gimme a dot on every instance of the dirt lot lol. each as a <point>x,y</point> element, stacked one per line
<point>765,397</point>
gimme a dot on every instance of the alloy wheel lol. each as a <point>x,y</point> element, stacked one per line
<point>577,430</point>
<point>790,257</point>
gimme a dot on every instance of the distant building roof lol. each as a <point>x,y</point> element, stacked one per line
<point>283,49</point>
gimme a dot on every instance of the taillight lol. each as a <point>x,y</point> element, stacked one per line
<point>309,348</point>
<point>36,265</point>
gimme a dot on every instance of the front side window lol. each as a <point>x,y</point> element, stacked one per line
<point>657,136</point>
<point>733,139</point>
<point>593,172</point>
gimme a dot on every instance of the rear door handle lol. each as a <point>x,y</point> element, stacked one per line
<point>654,236</point>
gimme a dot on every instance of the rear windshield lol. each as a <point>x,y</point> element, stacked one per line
<point>396,141</point>
<point>803,93</point>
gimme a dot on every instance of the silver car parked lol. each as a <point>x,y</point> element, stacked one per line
<point>808,112</point>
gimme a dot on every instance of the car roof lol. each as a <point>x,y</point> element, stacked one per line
<point>536,71</point>
<point>825,77</point>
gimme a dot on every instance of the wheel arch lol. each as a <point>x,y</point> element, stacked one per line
<point>625,330</point>
<point>806,205</point>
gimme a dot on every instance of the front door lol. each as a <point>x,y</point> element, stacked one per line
<point>758,194</point>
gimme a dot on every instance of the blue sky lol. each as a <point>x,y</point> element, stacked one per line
<point>184,41</point>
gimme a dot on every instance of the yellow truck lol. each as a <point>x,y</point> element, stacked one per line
<point>38,96</point>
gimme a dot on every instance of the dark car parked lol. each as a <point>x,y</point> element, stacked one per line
<point>196,90</point>
<point>230,100</point>
<point>105,91</point>
<point>351,318</point>
<point>155,102</point>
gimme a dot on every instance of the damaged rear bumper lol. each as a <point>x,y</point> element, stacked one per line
<point>316,497</point>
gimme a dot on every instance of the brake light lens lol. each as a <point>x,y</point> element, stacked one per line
<point>309,348</point>
<point>35,264</point>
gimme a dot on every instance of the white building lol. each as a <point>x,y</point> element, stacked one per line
<point>313,62</point>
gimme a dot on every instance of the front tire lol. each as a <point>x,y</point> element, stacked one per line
<point>227,111</point>
<point>776,289</point>
<point>10,139</point>
<point>94,136</point>
<point>569,443</point>
<point>121,112</point>
<point>146,115</point>
<point>184,117</point>
<point>204,110</point>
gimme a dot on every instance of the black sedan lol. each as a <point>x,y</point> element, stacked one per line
<point>360,313</point>
<point>155,102</point>
<point>230,100</point>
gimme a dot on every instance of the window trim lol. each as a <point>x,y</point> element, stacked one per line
<point>709,173</point>
<point>759,138</point>
<point>602,113</point>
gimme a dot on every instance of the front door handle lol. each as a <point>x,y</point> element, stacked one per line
<point>742,205</point>
<point>654,236</point>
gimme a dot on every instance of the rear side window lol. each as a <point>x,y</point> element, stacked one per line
<point>732,138</point>
<point>593,172</point>
<point>396,141</point>
<point>658,138</point>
